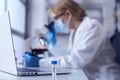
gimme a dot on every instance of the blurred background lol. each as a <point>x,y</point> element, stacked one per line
<point>29,15</point>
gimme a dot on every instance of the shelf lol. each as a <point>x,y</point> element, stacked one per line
<point>91,6</point>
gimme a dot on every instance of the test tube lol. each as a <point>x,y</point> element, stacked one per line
<point>54,63</point>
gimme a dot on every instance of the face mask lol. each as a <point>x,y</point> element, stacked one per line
<point>60,26</point>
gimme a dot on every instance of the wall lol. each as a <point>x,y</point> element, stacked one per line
<point>2,6</point>
<point>109,22</point>
<point>38,15</point>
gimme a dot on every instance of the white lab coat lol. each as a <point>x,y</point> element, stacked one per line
<point>89,49</point>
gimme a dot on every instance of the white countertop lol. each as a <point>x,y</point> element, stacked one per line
<point>75,75</point>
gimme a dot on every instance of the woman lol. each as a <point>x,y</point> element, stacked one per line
<point>88,45</point>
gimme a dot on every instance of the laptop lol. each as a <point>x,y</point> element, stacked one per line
<point>7,55</point>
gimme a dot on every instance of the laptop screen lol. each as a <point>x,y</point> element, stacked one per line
<point>7,56</point>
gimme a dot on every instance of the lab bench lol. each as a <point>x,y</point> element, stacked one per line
<point>74,75</point>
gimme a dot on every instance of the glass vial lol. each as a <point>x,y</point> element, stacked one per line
<point>54,63</point>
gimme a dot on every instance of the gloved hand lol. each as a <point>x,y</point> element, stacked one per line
<point>51,35</point>
<point>31,60</point>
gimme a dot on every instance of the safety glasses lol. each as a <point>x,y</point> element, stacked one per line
<point>58,16</point>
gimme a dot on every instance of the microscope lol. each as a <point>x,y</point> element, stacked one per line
<point>42,42</point>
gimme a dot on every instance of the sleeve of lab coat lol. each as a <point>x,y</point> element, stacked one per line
<point>88,45</point>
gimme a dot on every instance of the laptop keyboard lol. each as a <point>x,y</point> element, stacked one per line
<point>27,70</point>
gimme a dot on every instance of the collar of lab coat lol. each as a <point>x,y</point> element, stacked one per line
<point>85,25</point>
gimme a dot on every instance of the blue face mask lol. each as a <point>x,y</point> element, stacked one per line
<point>60,26</point>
